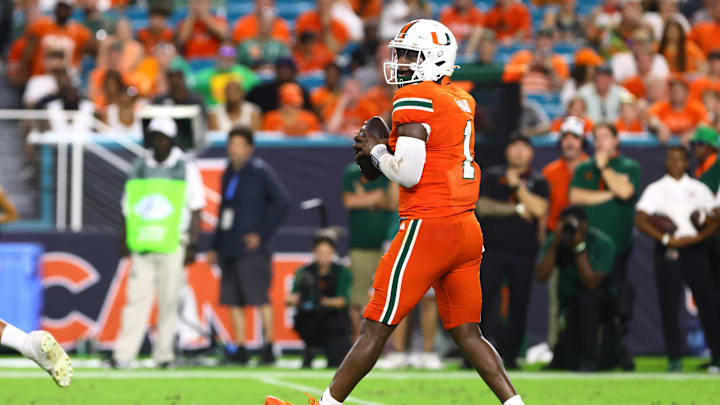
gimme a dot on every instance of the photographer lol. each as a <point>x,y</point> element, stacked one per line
<point>583,257</point>
<point>685,204</point>
<point>320,294</point>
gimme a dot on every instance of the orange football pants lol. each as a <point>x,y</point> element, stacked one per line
<point>443,253</point>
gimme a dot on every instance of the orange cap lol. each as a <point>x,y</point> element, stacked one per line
<point>587,56</point>
<point>291,94</point>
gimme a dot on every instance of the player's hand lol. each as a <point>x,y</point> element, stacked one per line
<point>252,241</point>
<point>364,142</point>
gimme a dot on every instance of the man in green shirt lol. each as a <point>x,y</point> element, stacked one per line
<point>320,293</point>
<point>704,146</point>
<point>370,209</point>
<point>607,186</point>
<point>211,82</point>
<point>583,256</point>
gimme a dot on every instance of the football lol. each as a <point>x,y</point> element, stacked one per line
<point>663,223</point>
<point>375,126</point>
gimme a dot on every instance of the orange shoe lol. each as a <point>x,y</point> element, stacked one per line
<point>270,400</point>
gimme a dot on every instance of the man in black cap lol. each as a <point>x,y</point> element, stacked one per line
<point>512,205</point>
<point>266,95</point>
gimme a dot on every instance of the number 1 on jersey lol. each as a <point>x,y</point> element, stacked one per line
<point>468,169</point>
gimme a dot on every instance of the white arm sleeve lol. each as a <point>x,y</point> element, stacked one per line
<point>405,167</point>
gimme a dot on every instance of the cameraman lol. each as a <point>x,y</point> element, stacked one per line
<point>320,294</point>
<point>583,256</point>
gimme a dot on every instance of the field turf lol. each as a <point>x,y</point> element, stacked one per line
<point>248,386</point>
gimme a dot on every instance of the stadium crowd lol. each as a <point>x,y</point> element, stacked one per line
<point>619,68</point>
<point>644,66</point>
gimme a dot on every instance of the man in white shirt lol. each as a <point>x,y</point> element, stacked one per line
<point>679,254</point>
<point>603,96</point>
<point>161,204</point>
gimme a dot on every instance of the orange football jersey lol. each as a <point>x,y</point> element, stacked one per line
<point>450,180</point>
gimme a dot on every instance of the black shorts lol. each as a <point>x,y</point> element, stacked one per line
<point>245,281</point>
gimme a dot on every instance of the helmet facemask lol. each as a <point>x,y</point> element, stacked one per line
<point>403,66</point>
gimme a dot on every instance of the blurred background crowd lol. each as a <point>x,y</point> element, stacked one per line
<point>302,67</point>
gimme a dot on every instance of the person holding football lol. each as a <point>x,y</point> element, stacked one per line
<point>429,153</point>
<point>677,212</point>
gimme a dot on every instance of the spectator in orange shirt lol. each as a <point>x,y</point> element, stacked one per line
<point>324,98</point>
<point>131,50</point>
<point>351,109</point>
<point>157,30</point>
<point>636,84</point>
<point>320,21</point>
<point>201,33</point>
<point>629,121</point>
<point>707,33</point>
<point>539,69</point>
<point>709,81</point>
<point>575,108</point>
<point>55,32</point>
<point>682,55</point>
<point>248,27</point>
<point>311,54</point>
<point>679,116</point>
<point>510,20</point>
<point>559,172</point>
<point>290,118</point>
<point>465,21</point>
<point>105,82</point>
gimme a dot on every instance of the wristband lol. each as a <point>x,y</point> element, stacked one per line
<point>520,209</point>
<point>580,247</point>
<point>377,152</point>
<point>665,239</point>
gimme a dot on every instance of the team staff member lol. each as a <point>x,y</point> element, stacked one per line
<point>558,174</point>
<point>370,211</point>
<point>607,186</point>
<point>679,256</point>
<point>512,206</point>
<point>254,204</point>
<point>704,147</point>
<point>162,202</point>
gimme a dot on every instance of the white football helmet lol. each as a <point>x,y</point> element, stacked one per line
<point>435,47</point>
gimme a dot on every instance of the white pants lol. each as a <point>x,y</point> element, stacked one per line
<point>152,275</point>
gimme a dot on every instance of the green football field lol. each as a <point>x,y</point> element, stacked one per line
<point>249,386</point>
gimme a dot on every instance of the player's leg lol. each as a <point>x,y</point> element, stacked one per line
<point>399,357</point>
<point>42,348</point>
<point>403,277</point>
<point>459,299</point>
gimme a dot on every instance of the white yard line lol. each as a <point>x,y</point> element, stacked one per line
<point>309,390</point>
<point>81,373</point>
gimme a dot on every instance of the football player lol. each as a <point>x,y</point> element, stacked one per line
<point>430,155</point>
<point>40,347</point>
